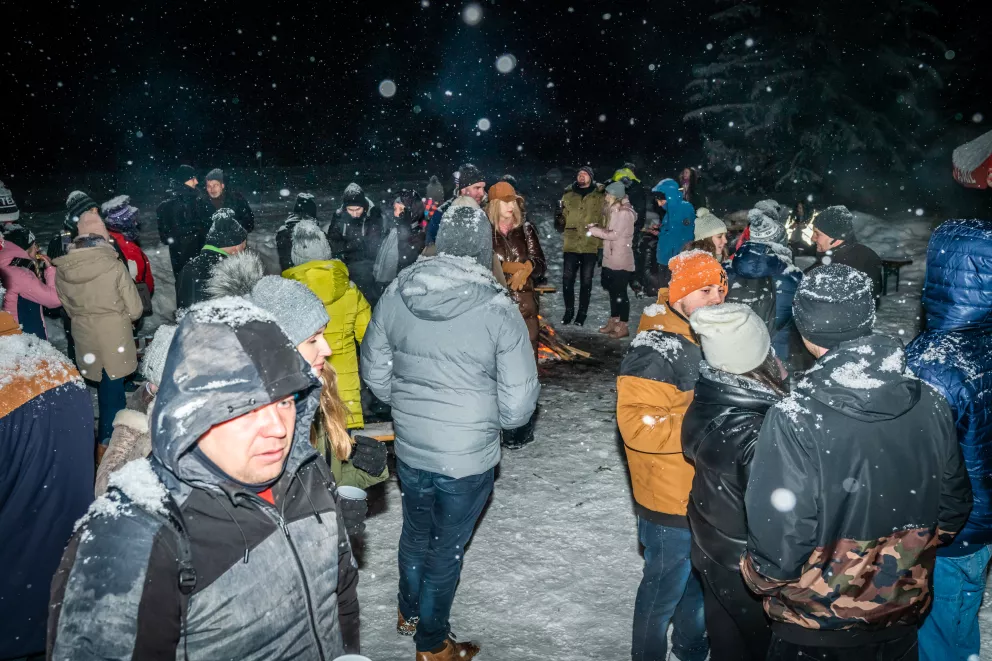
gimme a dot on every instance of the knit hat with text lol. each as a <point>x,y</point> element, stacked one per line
<point>8,208</point>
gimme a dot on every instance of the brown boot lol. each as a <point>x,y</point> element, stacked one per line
<point>450,651</point>
<point>405,627</point>
<point>622,329</point>
<point>610,326</point>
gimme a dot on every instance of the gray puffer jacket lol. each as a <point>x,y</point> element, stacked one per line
<point>271,581</point>
<point>448,350</point>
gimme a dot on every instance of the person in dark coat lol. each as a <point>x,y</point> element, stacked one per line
<point>739,380</point>
<point>355,234</point>
<point>306,207</point>
<point>857,477</point>
<point>407,220</point>
<point>954,355</point>
<point>228,542</point>
<point>226,237</point>
<point>836,243</point>
<point>469,182</point>
<point>220,198</point>
<point>46,483</point>
<point>183,220</point>
<point>692,188</point>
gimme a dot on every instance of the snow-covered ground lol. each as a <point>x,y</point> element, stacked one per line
<point>552,570</point>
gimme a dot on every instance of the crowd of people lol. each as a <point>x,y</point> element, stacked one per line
<point>805,487</point>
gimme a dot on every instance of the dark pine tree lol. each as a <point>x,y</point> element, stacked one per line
<point>796,90</point>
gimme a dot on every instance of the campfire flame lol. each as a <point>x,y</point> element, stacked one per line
<point>550,346</point>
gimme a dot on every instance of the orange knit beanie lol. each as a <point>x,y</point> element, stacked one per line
<point>692,270</point>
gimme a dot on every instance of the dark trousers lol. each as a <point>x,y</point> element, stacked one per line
<point>439,515</point>
<point>669,593</point>
<point>111,398</point>
<point>583,265</point>
<point>735,620</point>
<point>615,283</point>
<point>900,649</point>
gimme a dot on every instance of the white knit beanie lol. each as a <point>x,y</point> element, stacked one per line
<point>153,362</point>
<point>733,337</point>
<point>707,225</point>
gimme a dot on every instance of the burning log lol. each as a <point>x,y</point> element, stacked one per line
<point>551,347</point>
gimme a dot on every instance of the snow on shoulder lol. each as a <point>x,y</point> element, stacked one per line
<point>666,344</point>
<point>134,484</point>
<point>229,310</point>
<point>26,356</point>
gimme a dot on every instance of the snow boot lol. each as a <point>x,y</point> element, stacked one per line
<point>567,319</point>
<point>450,651</point>
<point>405,627</point>
<point>622,329</point>
<point>610,326</point>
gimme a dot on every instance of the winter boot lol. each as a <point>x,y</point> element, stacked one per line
<point>610,326</point>
<point>567,319</point>
<point>450,651</point>
<point>622,329</point>
<point>405,627</point>
<point>580,320</point>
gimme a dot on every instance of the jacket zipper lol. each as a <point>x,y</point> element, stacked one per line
<point>281,522</point>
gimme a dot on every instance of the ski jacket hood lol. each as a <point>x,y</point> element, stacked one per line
<point>329,279</point>
<point>678,223</point>
<point>957,293</point>
<point>865,379</point>
<point>762,260</point>
<point>445,287</point>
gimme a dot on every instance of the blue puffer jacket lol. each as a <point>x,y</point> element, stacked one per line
<point>760,260</point>
<point>678,224</point>
<point>954,355</point>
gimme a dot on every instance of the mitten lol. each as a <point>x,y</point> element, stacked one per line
<point>369,455</point>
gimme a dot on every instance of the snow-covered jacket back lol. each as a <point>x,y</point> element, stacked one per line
<point>448,350</point>
<point>954,355</point>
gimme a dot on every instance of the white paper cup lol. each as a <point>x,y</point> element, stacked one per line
<point>352,493</point>
<point>353,657</point>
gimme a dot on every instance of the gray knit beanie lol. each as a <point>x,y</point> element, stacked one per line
<point>765,228</point>
<point>617,190</point>
<point>153,362</point>
<point>309,244</point>
<point>465,231</point>
<point>215,175</point>
<point>296,309</point>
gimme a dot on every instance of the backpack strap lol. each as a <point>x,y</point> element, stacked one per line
<point>186,579</point>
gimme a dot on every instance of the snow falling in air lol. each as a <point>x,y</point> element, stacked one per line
<point>472,14</point>
<point>506,63</point>
<point>783,500</point>
<point>484,124</point>
<point>284,192</point>
<point>387,88</point>
<point>89,359</point>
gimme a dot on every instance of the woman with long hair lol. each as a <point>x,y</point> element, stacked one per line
<point>518,249</point>
<point>618,257</point>
<point>710,235</point>
<point>739,381</point>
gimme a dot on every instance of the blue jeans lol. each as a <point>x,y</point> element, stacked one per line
<point>111,398</point>
<point>670,591</point>
<point>950,631</point>
<point>439,515</point>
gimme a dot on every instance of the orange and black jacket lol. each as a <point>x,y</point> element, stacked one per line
<point>654,390</point>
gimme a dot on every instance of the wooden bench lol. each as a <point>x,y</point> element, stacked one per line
<point>545,289</point>
<point>892,267</point>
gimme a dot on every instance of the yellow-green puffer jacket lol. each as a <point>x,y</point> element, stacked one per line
<point>350,314</point>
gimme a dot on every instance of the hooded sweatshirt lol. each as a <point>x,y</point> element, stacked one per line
<point>448,350</point>
<point>271,580</point>
<point>856,478</point>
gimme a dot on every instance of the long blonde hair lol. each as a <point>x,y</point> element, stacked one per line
<point>329,431</point>
<point>493,209</point>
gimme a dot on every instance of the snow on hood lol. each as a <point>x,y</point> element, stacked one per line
<point>227,358</point>
<point>957,292</point>
<point>762,260</point>
<point>865,379</point>
<point>444,287</point>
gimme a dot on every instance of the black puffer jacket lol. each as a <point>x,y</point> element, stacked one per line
<point>719,433</point>
<point>183,223</point>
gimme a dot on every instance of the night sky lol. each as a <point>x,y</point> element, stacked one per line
<point>94,85</point>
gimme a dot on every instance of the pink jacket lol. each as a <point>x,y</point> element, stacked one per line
<point>20,281</point>
<point>618,236</point>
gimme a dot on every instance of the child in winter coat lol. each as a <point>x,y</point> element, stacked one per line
<point>618,257</point>
<point>131,438</point>
<point>347,308</point>
<point>29,278</point>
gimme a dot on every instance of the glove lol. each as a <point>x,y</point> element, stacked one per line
<point>353,512</point>
<point>519,279</point>
<point>369,455</point>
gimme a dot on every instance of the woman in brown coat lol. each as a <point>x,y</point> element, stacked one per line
<point>516,245</point>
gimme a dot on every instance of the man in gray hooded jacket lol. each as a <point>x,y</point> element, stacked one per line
<point>227,542</point>
<point>448,350</point>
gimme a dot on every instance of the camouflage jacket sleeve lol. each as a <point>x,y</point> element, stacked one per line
<point>781,503</point>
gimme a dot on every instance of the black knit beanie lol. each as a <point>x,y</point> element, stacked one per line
<point>19,235</point>
<point>226,231</point>
<point>836,222</point>
<point>354,196</point>
<point>184,173</point>
<point>467,175</point>
<point>306,205</point>
<point>77,204</point>
<point>834,304</point>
